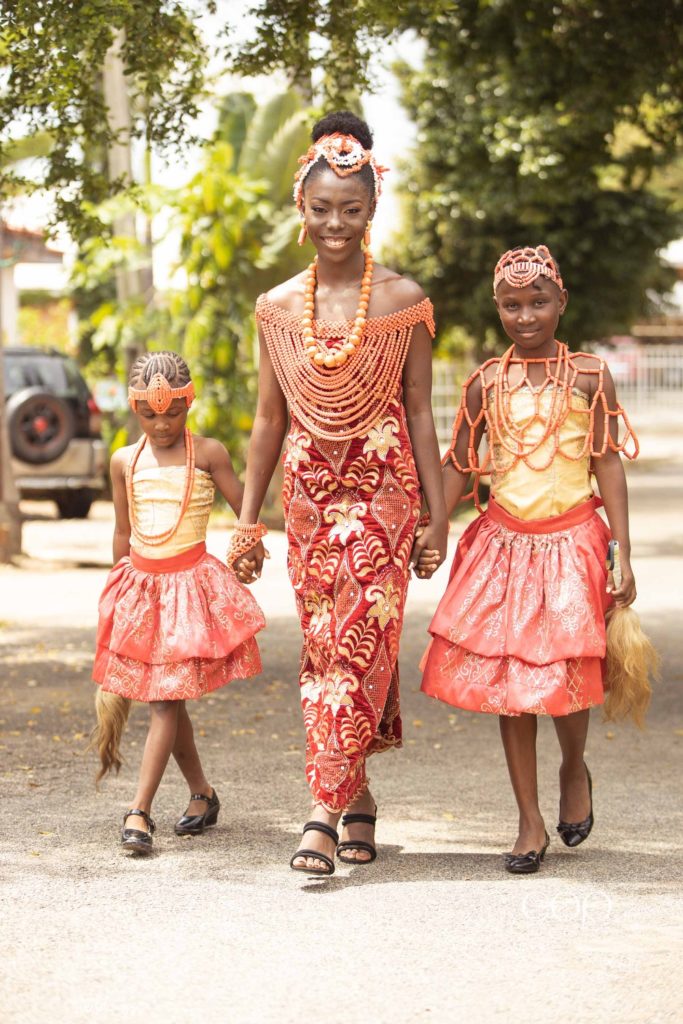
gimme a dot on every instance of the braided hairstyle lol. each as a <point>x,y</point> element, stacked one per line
<point>344,122</point>
<point>169,364</point>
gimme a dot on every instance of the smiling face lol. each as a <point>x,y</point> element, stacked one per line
<point>165,429</point>
<point>336,211</point>
<point>530,315</point>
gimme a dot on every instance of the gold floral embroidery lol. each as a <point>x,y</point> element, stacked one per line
<point>346,516</point>
<point>382,438</point>
<point>311,687</point>
<point>320,607</point>
<point>386,606</point>
<point>297,443</point>
<point>338,689</point>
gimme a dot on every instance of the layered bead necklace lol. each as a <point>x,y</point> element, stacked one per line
<point>316,349</point>
<point>504,431</point>
<point>156,539</point>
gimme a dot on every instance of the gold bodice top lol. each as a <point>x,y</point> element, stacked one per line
<point>158,495</point>
<point>542,485</point>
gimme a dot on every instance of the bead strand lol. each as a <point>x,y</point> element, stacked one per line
<point>338,354</point>
<point>149,539</point>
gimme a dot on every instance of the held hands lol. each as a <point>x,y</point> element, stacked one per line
<point>248,567</point>
<point>429,549</point>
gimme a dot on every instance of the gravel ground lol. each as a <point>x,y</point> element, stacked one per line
<point>433,931</point>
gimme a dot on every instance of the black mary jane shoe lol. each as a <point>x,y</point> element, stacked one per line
<point>526,863</point>
<point>134,839</point>
<point>316,826</point>
<point>573,834</point>
<point>194,824</point>
<point>357,844</point>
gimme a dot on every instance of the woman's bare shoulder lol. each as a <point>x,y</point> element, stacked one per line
<point>289,294</point>
<point>392,291</point>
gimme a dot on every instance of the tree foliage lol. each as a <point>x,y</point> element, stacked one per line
<point>54,53</point>
<point>236,225</point>
<point>545,122</point>
<point>325,47</point>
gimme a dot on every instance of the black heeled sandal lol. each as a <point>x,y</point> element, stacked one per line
<point>573,834</point>
<point>316,826</point>
<point>526,863</point>
<point>194,824</point>
<point>135,839</point>
<point>357,844</point>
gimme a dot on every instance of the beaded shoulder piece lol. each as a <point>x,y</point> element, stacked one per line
<point>520,444</point>
<point>346,401</point>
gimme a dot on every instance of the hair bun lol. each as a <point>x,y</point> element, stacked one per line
<point>343,122</point>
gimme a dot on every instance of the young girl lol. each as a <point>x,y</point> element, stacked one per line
<point>174,621</point>
<point>520,631</point>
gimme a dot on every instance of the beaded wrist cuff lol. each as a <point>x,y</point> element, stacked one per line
<point>245,536</point>
<point>424,520</point>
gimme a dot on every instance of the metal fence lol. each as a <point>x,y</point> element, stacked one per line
<point>649,382</point>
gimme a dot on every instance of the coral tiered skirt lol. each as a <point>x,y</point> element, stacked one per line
<point>521,627</point>
<point>175,628</point>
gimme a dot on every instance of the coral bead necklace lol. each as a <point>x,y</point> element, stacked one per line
<point>317,350</point>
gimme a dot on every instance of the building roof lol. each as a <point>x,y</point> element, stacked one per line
<point>20,245</point>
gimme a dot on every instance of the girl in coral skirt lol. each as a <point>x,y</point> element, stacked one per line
<point>174,622</point>
<point>520,631</point>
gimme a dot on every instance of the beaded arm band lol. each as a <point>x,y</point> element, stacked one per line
<point>245,536</point>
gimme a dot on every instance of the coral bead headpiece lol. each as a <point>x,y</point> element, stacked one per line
<point>345,156</point>
<point>159,394</point>
<point>519,267</point>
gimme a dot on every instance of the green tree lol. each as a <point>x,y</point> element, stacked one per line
<point>53,84</point>
<point>237,224</point>
<point>545,123</point>
<point>329,42</point>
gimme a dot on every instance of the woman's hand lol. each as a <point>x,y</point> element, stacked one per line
<point>248,567</point>
<point>625,593</point>
<point>429,549</point>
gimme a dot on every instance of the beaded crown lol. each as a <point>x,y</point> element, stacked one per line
<point>345,156</point>
<point>519,267</point>
<point>159,394</point>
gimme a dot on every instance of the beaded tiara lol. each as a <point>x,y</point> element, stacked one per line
<point>345,156</point>
<point>519,267</point>
<point>159,394</point>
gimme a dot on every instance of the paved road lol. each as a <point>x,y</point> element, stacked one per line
<point>433,931</point>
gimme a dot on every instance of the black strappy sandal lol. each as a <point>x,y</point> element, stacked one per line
<point>135,839</point>
<point>194,824</point>
<point>357,844</point>
<point>316,826</point>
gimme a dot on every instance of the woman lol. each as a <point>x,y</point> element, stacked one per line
<point>345,349</point>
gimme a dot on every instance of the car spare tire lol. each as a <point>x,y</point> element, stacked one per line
<point>40,425</point>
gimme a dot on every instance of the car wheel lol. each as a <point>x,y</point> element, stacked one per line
<point>74,504</point>
<point>40,425</point>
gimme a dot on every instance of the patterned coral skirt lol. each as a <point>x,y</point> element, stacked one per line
<point>521,627</point>
<point>175,628</point>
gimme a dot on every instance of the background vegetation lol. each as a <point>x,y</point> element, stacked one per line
<point>537,121</point>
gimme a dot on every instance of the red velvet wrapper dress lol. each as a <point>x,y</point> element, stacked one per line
<point>351,505</point>
<point>521,627</point>
<point>174,621</point>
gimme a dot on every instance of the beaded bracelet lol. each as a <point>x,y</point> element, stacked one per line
<point>245,536</point>
<point>424,520</point>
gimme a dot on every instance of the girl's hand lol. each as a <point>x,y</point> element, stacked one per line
<point>625,593</point>
<point>429,549</point>
<point>248,566</point>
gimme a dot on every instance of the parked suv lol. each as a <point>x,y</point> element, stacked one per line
<point>54,429</point>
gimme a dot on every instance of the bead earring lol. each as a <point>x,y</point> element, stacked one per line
<point>366,236</point>
<point>303,233</point>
